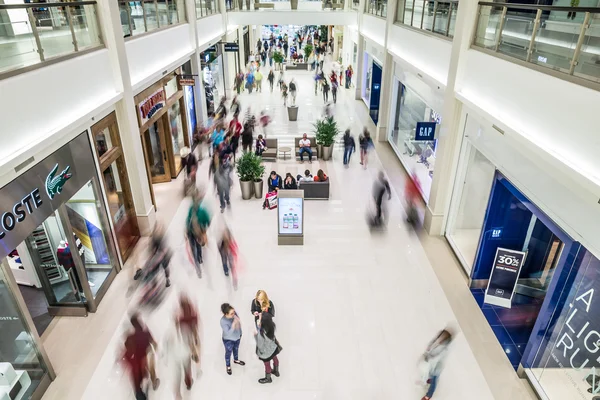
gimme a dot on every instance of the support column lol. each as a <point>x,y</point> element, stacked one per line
<point>450,131</point>
<point>358,81</point>
<point>127,117</point>
<point>242,50</point>
<point>199,94</point>
<point>385,97</point>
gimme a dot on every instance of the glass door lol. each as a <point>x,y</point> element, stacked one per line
<point>177,136</point>
<point>156,152</point>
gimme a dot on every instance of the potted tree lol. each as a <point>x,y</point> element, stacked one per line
<point>294,4</point>
<point>325,132</point>
<point>308,49</point>
<point>258,172</point>
<point>248,166</point>
<point>278,58</point>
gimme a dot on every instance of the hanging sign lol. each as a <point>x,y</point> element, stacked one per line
<point>151,104</point>
<point>503,280</point>
<point>231,47</point>
<point>425,131</point>
<point>187,80</point>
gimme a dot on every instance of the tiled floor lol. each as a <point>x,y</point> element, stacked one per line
<point>513,326</point>
<point>355,311</point>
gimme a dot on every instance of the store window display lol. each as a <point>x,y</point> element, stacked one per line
<point>413,136</point>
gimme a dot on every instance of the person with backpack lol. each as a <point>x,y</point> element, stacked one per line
<point>349,147</point>
<point>293,91</point>
<point>197,223</point>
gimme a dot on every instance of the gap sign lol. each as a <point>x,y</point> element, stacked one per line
<point>425,131</point>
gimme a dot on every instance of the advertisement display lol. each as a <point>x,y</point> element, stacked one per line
<point>505,273</point>
<point>290,216</point>
<point>190,111</point>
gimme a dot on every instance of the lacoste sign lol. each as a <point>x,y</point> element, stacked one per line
<point>27,201</point>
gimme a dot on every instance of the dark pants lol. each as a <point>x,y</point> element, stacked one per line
<point>223,196</point>
<point>268,364</point>
<point>271,85</point>
<point>347,154</point>
<point>196,250</point>
<point>347,83</point>
<point>231,346</point>
<point>235,143</point>
<point>334,94</point>
<point>305,150</point>
<point>325,96</point>
<point>246,147</point>
<point>226,259</point>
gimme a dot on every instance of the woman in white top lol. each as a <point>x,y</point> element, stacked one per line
<point>435,355</point>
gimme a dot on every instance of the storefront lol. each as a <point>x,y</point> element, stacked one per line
<point>535,284</point>
<point>213,76</point>
<point>163,127</point>
<point>371,85</point>
<point>414,122</point>
<point>115,182</point>
<point>189,98</point>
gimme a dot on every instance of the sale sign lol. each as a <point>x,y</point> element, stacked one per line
<point>503,280</point>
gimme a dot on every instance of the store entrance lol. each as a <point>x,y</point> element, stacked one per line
<point>514,223</point>
<point>155,145</point>
<point>65,265</point>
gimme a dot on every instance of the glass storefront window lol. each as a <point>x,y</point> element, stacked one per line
<point>177,134</point>
<point>85,217</point>
<point>366,87</point>
<point>417,156</point>
<point>171,87</point>
<point>103,141</point>
<point>17,345</point>
<point>470,203</point>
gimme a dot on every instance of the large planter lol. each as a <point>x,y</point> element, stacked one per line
<point>241,4</point>
<point>294,4</point>
<point>247,189</point>
<point>258,189</point>
<point>320,149</point>
<point>327,150</point>
<point>292,113</point>
<point>248,5</point>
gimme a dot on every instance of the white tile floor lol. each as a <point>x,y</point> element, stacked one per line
<point>354,310</point>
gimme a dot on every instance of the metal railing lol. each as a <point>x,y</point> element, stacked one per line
<point>564,39</point>
<point>139,17</point>
<point>434,16</point>
<point>355,4</point>
<point>204,8</point>
<point>376,7</point>
<point>39,33</point>
<point>284,5</point>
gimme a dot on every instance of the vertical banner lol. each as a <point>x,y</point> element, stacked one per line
<point>504,276</point>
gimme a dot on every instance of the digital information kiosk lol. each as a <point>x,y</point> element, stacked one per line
<point>290,217</point>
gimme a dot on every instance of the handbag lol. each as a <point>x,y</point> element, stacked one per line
<point>279,347</point>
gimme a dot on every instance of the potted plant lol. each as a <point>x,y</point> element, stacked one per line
<point>248,167</point>
<point>325,132</point>
<point>278,58</point>
<point>258,172</point>
<point>294,4</point>
<point>308,49</point>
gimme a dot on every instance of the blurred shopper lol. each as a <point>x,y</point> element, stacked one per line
<point>223,183</point>
<point>435,356</point>
<point>349,73</point>
<point>380,187</point>
<point>221,109</point>
<point>267,346</point>
<point>250,81</point>
<point>184,345</point>
<point>412,193</point>
<point>238,83</point>
<point>261,303</point>
<point>281,78</point>
<point>228,250</point>
<point>326,89</point>
<point>247,138</point>
<point>349,147</point>
<point>293,91</point>
<point>197,223</point>
<point>284,92</point>
<point>365,142</point>
<point>232,334</point>
<point>264,121</point>
<point>271,79</point>
<point>138,356</point>
<point>235,127</point>
<point>334,90</point>
<point>258,77</point>
<point>190,163</point>
<point>236,107</point>
<point>261,145</point>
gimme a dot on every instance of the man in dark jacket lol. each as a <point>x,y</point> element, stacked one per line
<point>349,147</point>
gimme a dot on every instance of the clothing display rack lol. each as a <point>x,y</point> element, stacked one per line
<point>39,240</point>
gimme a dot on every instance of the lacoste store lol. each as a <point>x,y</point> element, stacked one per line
<point>58,258</point>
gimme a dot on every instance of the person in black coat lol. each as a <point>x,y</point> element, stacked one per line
<point>275,182</point>
<point>349,146</point>
<point>259,303</point>
<point>289,182</point>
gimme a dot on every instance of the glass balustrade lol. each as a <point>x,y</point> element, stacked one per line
<point>287,5</point>
<point>376,7</point>
<point>139,17</point>
<point>434,16</point>
<point>564,39</point>
<point>204,8</point>
<point>30,34</point>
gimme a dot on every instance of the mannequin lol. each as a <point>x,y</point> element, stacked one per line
<point>65,258</point>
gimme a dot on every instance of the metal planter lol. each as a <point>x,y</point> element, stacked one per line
<point>258,189</point>
<point>327,150</point>
<point>292,113</point>
<point>247,189</point>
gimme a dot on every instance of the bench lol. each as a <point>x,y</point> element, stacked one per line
<point>315,190</point>
<point>258,5</point>
<point>313,147</point>
<point>272,150</point>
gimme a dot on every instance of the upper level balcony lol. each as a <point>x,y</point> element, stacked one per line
<point>437,17</point>
<point>561,41</point>
<point>34,34</point>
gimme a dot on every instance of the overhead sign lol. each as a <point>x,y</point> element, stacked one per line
<point>149,106</point>
<point>505,273</point>
<point>231,47</point>
<point>29,199</point>
<point>425,131</point>
<point>187,80</point>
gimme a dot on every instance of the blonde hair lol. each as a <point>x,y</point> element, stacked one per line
<point>263,299</point>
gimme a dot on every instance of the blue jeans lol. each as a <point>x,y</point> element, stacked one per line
<point>305,150</point>
<point>432,386</point>
<point>347,154</point>
<point>223,197</point>
<point>226,259</point>
<point>196,251</point>
<point>231,346</point>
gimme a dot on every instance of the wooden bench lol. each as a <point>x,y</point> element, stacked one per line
<point>258,5</point>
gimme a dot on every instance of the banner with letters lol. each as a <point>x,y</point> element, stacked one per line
<point>504,276</point>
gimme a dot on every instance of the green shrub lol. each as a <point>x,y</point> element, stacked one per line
<point>250,167</point>
<point>277,57</point>
<point>325,131</point>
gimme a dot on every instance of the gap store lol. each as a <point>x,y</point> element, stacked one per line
<point>514,226</point>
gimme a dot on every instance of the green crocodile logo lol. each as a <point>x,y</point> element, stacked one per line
<point>54,184</point>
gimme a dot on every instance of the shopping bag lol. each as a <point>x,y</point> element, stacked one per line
<point>271,199</point>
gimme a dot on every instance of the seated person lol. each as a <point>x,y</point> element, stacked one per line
<point>304,145</point>
<point>306,178</point>
<point>261,145</point>
<point>275,182</point>
<point>289,182</point>
<point>321,177</point>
